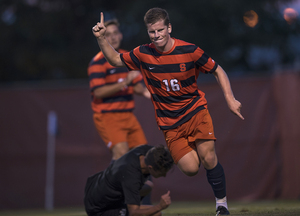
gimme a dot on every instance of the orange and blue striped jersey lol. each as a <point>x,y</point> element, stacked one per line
<point>171,78</point>
<point>101,73</point>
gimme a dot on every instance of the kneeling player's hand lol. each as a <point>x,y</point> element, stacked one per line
<point>165,200</point>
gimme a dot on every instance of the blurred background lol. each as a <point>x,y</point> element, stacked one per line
<point>46,46</point>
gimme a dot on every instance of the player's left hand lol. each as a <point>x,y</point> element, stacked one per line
<point>165,200</point>
<point>235,106</point>
<point>146,93</point>
<point>131,76</point>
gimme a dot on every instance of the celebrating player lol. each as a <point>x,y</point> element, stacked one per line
<point>170,69</point>
<point>116,191</point>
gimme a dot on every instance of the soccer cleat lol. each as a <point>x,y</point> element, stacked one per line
<point>221,210</point>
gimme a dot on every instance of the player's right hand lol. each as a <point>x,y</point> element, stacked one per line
<point>99,29</point>
<point>165,200</point>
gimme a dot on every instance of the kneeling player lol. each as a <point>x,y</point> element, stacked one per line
<point>117,191</point>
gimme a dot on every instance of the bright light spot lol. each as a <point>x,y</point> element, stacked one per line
<point>290,15</point>
<point>251,18</point>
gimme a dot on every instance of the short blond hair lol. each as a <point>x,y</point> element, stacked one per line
<point>156,14</point>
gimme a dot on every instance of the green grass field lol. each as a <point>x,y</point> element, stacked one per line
<point>263,208</point>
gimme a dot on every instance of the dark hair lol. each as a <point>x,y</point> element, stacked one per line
<point>112,22</point>
<point>159,158</point>
<point>155,14</point>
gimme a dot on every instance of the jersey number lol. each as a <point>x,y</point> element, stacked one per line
<point>173,84</point>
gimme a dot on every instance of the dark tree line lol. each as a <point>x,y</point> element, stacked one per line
<point>52,39</point>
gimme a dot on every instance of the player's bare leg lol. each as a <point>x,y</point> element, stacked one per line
<point>214,172</point>
<point>146,189</point>
<point>207,154</point>
<point>189,163</point>
<point>119,149</point>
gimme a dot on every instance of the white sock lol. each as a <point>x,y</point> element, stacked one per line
<point>221,202</point>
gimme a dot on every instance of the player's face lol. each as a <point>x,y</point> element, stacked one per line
<point>159,34</point>
<point>114,36</point>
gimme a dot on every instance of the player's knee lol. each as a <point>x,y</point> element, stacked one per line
<point>123,151</point>
<point>190,170</point>
<point>209,161</point>
<point>191,173</point>
<point>188,165</point>
<point>147,188</point>
<point>149,183</point>
<point>119,150</point>
<point>117,155</point>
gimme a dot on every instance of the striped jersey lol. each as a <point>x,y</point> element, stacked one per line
<point>171,78</point>
<point>101,73</point>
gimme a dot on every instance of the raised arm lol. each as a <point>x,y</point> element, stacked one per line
<point>233,104</point>
<point>111,55</point>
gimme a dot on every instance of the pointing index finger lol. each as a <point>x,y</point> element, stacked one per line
<point>240,115</point>
<point>101,18</point>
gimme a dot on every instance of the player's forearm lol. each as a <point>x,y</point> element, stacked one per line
<point>146,211</point>
<point>111,55</point>
<point>233,104</point>
<point>138,89</point>
<point>141,90</point>
<point>109,90</point>
<point>224,83</point>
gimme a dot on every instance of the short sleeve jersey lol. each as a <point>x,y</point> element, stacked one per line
<point>171,78</point>
<point>119,184</point>
<point>101,73</point>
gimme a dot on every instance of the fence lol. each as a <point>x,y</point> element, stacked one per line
<point>259,154</point>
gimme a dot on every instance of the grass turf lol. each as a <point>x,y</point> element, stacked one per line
<point>262,208</point>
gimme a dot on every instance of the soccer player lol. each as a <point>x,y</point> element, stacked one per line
<point>112,92</point>
<point>170,69</point>
<point>116,190</point>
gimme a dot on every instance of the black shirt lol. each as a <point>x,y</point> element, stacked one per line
<point>117,185</point>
